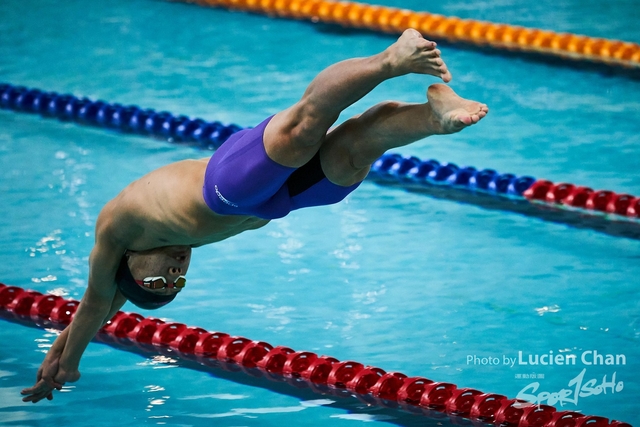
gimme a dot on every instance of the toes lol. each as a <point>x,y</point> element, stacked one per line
<point>427,45</point>
<point>445,74</point>
<point>412,32</point>
<point>480,114</point>
<point>464,120</point>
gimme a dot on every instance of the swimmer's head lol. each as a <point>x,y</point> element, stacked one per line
<point>153,278</point>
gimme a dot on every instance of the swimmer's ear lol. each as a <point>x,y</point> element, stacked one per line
<point>126,258</point>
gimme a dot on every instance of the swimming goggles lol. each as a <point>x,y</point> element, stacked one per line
<point>159,282</point>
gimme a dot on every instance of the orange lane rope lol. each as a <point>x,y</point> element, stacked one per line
<point>452,29</point>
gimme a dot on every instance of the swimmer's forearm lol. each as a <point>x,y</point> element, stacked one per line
<point>58,345</point>
<point>60,342</point>
<point>87,321</point>
<point>118,301</point>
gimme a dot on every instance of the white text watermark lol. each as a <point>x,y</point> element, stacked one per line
<point>586,358</point>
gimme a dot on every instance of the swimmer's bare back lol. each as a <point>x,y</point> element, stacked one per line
<point>166,208</point>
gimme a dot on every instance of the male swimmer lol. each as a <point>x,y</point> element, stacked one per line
<point>292,160</point>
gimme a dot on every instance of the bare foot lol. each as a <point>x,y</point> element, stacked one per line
<point>414,54</point>
<point>450,112</point>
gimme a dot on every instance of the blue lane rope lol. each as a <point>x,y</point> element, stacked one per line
<point>610,213</point>
<point>412,170</point>
<point>125,118</point>
<point>210,135</point>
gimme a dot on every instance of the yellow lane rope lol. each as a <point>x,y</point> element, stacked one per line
<point>452,29</point>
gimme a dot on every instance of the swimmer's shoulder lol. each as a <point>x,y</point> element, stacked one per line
<point>173,174</point>
<point>118,222</point>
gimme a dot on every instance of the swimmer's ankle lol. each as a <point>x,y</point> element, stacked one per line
<point>389,63</point>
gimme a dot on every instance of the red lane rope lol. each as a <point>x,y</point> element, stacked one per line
<point>324,374</point>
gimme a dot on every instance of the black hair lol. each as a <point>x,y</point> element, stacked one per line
<point>134,292</point>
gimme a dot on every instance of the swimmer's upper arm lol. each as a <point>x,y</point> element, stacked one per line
<point>113,231</point>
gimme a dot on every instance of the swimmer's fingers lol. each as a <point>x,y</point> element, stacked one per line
<point>42,389</point>
<point>38,392</point>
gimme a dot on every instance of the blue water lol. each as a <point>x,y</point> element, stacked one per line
<point>387,278</point>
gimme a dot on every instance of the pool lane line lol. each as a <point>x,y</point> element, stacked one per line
<point>322,374</point>
<point>239,374</point>
<point>563,203</point>
<point>498,36</point>
<point>582,207</point>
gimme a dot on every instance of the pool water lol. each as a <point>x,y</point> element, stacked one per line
<point>387,278</point>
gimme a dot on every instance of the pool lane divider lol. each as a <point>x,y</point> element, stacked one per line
<point>577,206</point>
<point>604,211</point>
<point>437,27</point>
<point>322,374</point>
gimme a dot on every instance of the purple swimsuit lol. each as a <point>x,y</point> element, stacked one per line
<point>242,180</point>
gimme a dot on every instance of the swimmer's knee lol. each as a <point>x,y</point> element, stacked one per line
<point>339,154</point>
<point>359,130</point>
<point>307,125</point>
<point>354,145</point>
<point>339,168</point>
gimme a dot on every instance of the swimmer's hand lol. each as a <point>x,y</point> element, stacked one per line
<point>414,54</point>
<point>50,377</point>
